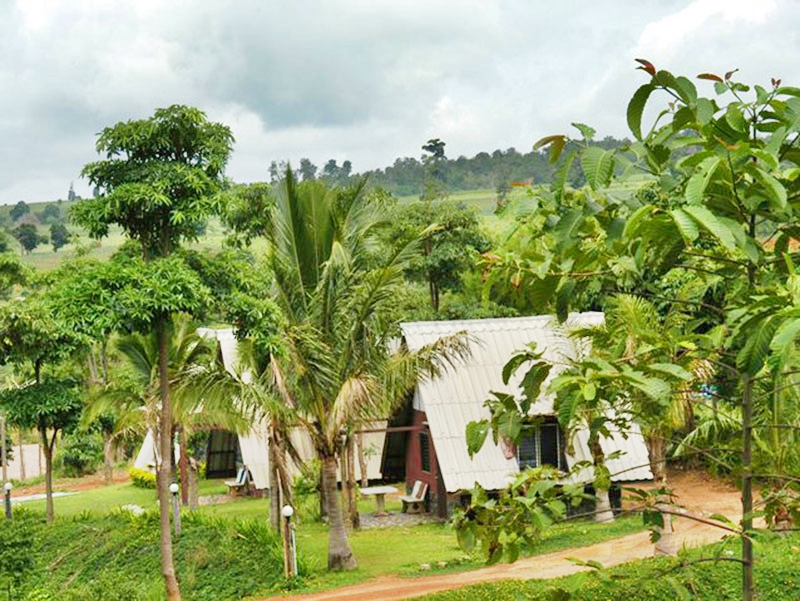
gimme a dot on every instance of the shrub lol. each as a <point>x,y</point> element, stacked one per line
<point>80,454</point>
<point>142,478</point>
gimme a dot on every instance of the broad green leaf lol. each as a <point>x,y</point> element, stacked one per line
<point>754,353</point>
<point>589,391</point>
<point>714,226</point>
<point>598,166</point>
<point>705,110</point>
<point>686,225</point>
<point>697,184</point>
<point>671,369</point>
<point>476,436</point>
<point>636,109</point>
<point>782,341</point>
<point>773,189</point>
<point>533,380</point>
<point>586,131</point>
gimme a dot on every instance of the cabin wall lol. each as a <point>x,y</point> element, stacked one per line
<point>424,466</point>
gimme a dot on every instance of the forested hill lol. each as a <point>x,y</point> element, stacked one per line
<point>407,176</point>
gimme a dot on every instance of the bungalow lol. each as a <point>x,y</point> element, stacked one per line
<point>426,439</point>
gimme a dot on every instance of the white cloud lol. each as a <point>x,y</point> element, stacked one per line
<point>365,80</point>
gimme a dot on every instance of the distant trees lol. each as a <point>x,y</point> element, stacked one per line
<point>59,236</point>
<point>19,209</point>
<point>28,236</point>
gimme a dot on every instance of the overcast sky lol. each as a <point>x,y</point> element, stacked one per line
<point>364,80</point>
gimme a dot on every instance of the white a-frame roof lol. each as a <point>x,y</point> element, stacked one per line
<point>457,397</point>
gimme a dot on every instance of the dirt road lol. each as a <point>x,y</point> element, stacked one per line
<point>698,493</point>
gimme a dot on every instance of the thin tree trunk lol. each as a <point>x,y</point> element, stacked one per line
<point>184,465</point>
<point>48,472</point>
<point>350,458</point>
<point>164,467</point>
<point>748,590</point>
<point>3,455</point>
<point>274,489</point>
<point>363,465</point>
<point>340,556</point>
<point>108,458</point>
<point>603,511</point>
<point>192,484</point>
<point>657,451</point>
<point>323,504</point>
<point>666,544</point>
<point>22,475</point>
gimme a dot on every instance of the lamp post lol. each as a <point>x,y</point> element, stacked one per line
<point>7,487</point>
<point>289,548</point>
<point>176,508</point>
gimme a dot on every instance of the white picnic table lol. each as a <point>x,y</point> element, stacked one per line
<point>379,492</point>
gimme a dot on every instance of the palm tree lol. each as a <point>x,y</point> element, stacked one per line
<point>135,407</point>
<point>336,288</point>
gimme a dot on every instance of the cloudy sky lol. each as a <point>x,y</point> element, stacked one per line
<point>364,80</point>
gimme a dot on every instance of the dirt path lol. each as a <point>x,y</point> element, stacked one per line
<point>699,493</point>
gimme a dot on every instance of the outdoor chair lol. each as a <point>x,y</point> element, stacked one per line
<point>415,502</point>
<point>241,484</point>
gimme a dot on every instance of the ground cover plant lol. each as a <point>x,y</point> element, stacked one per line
<point>115,557</point>
<point>659,579</point>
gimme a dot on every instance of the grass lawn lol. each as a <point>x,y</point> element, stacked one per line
<point>396,550</point>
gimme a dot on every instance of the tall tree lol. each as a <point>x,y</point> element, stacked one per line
<point>336,294</point>
<point>31,337</point>
<point>449,249</point>
<point>157,183</point>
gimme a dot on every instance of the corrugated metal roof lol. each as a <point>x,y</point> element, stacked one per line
<point>456,398</point>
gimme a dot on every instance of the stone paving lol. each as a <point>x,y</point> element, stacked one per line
<point>397,519</point>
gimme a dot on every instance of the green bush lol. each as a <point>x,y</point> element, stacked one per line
<point>777,578</point>
<point>116,558</point>
<point>80,453</point>
<point>142,478</point>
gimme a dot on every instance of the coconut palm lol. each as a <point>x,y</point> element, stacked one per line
<point>336,288</point>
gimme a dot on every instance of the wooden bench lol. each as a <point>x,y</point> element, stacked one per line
<point>241,484</point>
<point>415,502</point>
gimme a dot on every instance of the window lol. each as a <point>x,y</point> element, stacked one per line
<point>542,445</point>
<point>425,451</point>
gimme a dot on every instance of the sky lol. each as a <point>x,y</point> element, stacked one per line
<point>364,80</point>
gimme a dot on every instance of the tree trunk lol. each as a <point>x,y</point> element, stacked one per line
<point>666,543</point>
<point>108,458</point>
<point>602,482</point>
<point>657,452</point>
<point>748,589</point>
<point>193,475</point>
<point>363,464</point>
<point>274,490</point>
<point>184,465</point>
<point>48,472</point>
<point>352,502</point>
<point>21,458</point>
<point>164,467</point>
<point>340,557</point>
<point>323,504</point>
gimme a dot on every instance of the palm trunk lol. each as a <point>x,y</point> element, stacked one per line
<point>108,458</point>
<point>48,471</point>
<point>362,460</point>
<point>352,504</point>
<point>603,512</point>
<point>193,475</point>
<point>340,557</point>
<point>164,467</point>
<point>274,490</point>
<point>657,452</point>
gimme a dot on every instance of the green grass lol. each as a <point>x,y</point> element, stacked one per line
<point>378,551</point>
<point>116,557</point>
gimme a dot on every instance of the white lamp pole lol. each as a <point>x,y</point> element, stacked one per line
<point>289,549</point>
<point>7,488</point>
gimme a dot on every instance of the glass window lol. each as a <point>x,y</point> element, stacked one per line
<point>542,445</point>
<point>425,451</point>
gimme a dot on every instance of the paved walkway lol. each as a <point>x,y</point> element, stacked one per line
<point>700,494</point>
